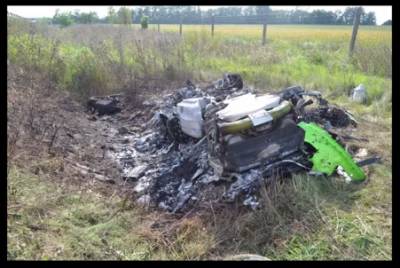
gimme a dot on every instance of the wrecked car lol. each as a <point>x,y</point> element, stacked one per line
<point>230,135</point>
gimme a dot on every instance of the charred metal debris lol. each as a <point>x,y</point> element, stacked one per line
<point>226,141</point>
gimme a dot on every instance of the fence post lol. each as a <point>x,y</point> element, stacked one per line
<point>264,34</point>
<point>355,30</point>
<point>180,26</point>
<point>212,26</point>
<point>158,27</point>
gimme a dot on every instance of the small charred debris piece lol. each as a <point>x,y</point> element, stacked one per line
<point>106,105</point>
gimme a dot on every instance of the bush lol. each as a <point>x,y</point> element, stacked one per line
<point>144,21</point>
<point>64,19</point>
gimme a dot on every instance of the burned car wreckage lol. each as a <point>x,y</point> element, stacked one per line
<point>224,142</point>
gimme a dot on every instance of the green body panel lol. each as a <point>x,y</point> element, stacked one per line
<point>276,113</point>
<point>329,153</point>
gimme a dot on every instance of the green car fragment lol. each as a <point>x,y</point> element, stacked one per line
<point>329,154</point>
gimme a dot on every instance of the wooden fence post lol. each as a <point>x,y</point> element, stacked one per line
<point>355,30</point>
<point>264,34</point>
<point>158,27</point>
<point>180,27</point>
<point>212,26</point>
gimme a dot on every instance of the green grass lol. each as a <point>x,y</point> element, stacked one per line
<point>50,220</point>
<point>312,219</point>
<point>315,63</point>
<point>54,222</point>
<point>353,223</point>
<point>309,218</point>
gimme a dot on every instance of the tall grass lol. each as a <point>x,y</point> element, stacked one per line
<point>92,60</point>
<point>98,59</point>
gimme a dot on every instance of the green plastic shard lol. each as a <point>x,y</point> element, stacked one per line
<point>329,153</point>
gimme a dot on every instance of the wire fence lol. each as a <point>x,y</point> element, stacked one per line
<point>213,21</point>
<point>239,21</point>
<point>368,46</point>
<point>286,18</point>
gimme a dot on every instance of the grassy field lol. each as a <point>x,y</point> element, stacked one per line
<point>309,218</point>
<point>295,33</point>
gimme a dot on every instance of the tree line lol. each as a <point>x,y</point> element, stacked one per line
<point>222,15</point>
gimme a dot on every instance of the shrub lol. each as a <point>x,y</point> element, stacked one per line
<point>144,21</point>
<point>64,19</point>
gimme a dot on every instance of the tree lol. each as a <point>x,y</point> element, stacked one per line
<point>144,21</point>
<point>298,16</point>
<point>349,13</point>
<point>250,14</point>
<point>320,16</point>
<point>89,17</point>
<point>262,10</point>
<point>67,18</point>
<point>368,19</point>
<point>139,13</point>
<point>125,15</point>
<point>112,16</point>
<point>250,11</point>
<point>339,17</point>
<point>146,11</point>
<point>75,16</point>
<point>388,22</point>
<point>64,19</point>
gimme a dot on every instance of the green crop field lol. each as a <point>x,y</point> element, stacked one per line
<point>310,219</point>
